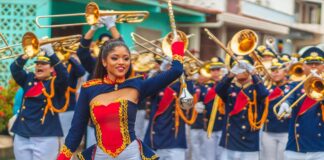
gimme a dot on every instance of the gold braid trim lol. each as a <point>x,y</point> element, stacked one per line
<point>66,151</point>
<point>123,128</point>
<point>80,156</point>
<point>178,58</point>
<point>143,156</point>
<point>92,83</point>
<point>253,115</point>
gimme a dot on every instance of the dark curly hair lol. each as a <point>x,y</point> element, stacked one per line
<point>109,46</point>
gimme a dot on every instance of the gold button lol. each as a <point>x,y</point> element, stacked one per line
<point>243,138</point>
<point>219,118</point>
<point>29,83</point>
<point>267,121</point>
<point>318,114</point>
<point>227,134</point>
<point>153,132</point>
<point>319,135</point>
<point>319,124</point>
<point>250,91</point>
<point>45,100</point>
<point>173,129</point>
<point>42,109</point>
<point>228,125</point>
<point>243,127</point>
<point>23,107</point>
<point>22,118</point>
<point>244,108</point>
<point>41,119</point>
<point>297,135</point>
<point>243,117</point>
<point>297,124</point>
<point>281,121</point>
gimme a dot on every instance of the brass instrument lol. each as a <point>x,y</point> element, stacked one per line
<point>191,63</point>
<point>314,88</point>
<point>296,71</point>
<point>243,43</point>
<point>7,47</point>
<point>92,15</point>
<point>31,44</point>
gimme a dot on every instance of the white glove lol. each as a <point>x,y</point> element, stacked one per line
<point>98,25</point>
<point>246,66</point>
<point>237,70</point>
<point>48,49</point>
<point>109,21</point>
<point>200,107</point>
<point>164,65</point>
<point>284,109</point>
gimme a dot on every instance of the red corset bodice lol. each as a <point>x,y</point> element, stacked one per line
<point>112,127</point>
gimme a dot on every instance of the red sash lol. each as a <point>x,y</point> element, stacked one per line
<point>35,91</point>
<point>276,93</point>
<point>210,95</point>
<point>241,101</point>
<point>307,104</point>
<point>165,102</point>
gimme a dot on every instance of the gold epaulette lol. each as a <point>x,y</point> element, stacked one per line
<point>92,82</point>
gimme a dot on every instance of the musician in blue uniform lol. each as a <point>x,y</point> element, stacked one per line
<point>166,132</point>
<point>197,133</point>
<point>75,71</point>
<point>275,132</point>
<point>245,98</point>
<point>306,127</point>
<point>212,148</point>
<point>37,128</point>
<point>111,101</point>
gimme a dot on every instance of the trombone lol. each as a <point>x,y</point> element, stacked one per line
<point>92,15</point>
<point>31,44</point>
<point>314,88</point>
<point>243,43</point>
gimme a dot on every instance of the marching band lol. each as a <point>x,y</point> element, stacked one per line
<point>255,104</point>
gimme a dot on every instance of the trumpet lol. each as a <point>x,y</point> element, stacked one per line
<point>92,15</point>
<point>31,44</point>
<point>313,86</point>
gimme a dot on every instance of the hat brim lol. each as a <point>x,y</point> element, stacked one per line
<point>40,61</point>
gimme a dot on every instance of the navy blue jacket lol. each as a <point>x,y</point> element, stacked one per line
<point>160,133</point>
<point>272,124</point>
<point>76,72</point>
<point>236,133</point>
<point>306,130</point>
<point>28,123</point>
<point>200,123</point>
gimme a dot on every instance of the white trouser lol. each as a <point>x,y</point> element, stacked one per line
<point>65,119</point>
<point>36,148</point>
<point>212,149</point>
<point>131,152</point>
<point>198,148</point>
<point>91,137</point>
<point>291,155</point>
<point>238,155</point>
<point>141,124</point>
<point>273,145</point>
<point>171,154</point>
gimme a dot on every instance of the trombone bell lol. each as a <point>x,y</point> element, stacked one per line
<point>30,44</point>
<point>244,42</point>
<point>314,88</point>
